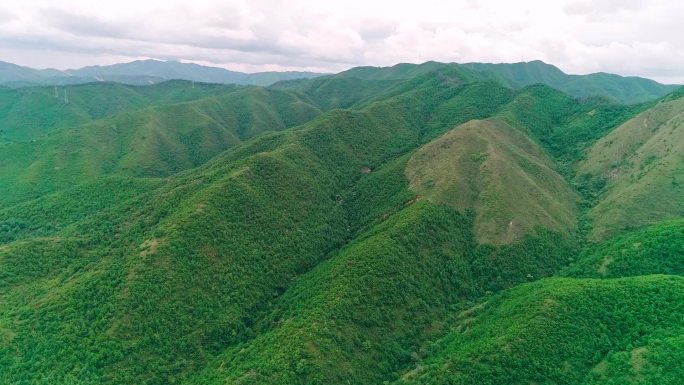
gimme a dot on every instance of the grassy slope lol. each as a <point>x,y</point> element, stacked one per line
<point>492,168</point>
<point>641,165</point>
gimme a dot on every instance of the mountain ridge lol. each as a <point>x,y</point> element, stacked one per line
<point>147,71</point>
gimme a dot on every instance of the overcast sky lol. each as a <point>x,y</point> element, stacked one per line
<point>629,37</point>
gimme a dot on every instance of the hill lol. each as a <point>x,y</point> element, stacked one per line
<point>639,165</point>
<point>186,71</point>
<point>146,142</point>
<point>219,245</point>
<point>29,113</point>
<point>491,168</point>
<point>13,73</point>
<point>565,331</point>
<point>657,249</point>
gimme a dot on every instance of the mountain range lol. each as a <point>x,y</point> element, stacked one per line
<point>140,72</point>
<point>436,223</point>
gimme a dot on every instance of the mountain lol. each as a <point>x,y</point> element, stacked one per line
<point>13,73</point>
<point>628,90</point>
<point>149,140</point>
<point>503,176</point>
<point>185,71</point>
<point>576,331</point>
<point>411,224</point>
<point>640,167</point>
<point>30,113</point>
<point>140,72</point>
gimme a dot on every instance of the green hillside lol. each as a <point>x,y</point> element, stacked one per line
<point>495,170</point>
<point>657,249</point>
<point>564,331</point>
<point>29,113</point>
<point>641,166</point>
<point>154,141</point>
<point>413,224</point>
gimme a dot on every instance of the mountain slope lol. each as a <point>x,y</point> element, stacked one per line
<point>154,287</point>
<point>14,73</point>
<point>29,113</point>
<point>565,331</point>
<point>657,249</point>
<point>155,141</point>
<point>641,164</point>
<point>491,168</point>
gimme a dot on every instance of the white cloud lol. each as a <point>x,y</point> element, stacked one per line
<point>631,37</point>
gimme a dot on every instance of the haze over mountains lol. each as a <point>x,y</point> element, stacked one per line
<point>415,224</point>
<point>140,72</point>
<point>143,72</point>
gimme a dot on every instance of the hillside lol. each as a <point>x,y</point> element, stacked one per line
<point>564,331</point>
<point>657,249</point>
<point>413,224</point>
<point>499,173</point>
<point>153,141</point>
<point>639,165</point>
<point>210,233</point>
<point>28,113</point>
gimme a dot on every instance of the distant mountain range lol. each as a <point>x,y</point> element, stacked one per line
<point>140,72</point>
<point>622,89</point>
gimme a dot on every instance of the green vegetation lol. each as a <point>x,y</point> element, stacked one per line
<point>140,72</point>
<point>629,90</point>
<point>492,168</point>
<point>658,249</point>
<point>641,166</point>
<point>401,225</point>
<point>564,331</point>
<point>147,142</point>
<point>28,113</point>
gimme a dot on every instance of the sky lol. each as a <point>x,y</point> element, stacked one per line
<point>628,37</point>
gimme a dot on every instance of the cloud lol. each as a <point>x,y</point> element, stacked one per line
<point>585,7</point>
<point>631,37</point>
<point>6,15</point>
